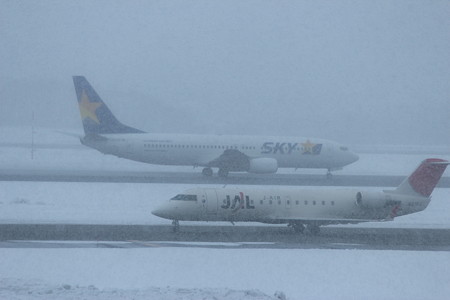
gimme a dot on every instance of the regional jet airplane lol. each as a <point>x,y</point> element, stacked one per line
<point>310,208</point>
<point>228,153</point>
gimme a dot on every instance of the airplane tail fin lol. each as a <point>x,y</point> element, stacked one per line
<point>424,179</point>
<point>95,115</point>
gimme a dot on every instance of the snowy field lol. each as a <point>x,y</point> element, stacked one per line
<point>195,273</point>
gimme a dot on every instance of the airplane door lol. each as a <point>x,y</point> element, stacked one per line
<point>209,201</point>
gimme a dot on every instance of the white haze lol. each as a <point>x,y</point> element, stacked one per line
<point>359,72</point>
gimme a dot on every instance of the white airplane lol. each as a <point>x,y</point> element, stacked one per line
<point>306,207</point>
<point>228,153</point>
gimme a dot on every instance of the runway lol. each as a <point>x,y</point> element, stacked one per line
<point>197,178</point>
<point>261,237</point>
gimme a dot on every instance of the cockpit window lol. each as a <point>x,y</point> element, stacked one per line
<point>343,148</point>
<point>185,197</point>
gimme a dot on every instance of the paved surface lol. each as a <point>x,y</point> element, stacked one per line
<point>197,178</point>
<point>130,236</point>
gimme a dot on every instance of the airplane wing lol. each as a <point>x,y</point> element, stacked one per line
<point>231,160</point>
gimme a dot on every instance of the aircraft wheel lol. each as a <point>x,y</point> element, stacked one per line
<point>222,173</point>
<point>298,227</point>
<point>207,172</point>
<point>176,226</point>
<point>314,229</point>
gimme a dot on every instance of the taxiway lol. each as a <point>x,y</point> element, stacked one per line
<point>270,237</point>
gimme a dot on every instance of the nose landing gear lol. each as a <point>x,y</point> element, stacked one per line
<point>176,226</point>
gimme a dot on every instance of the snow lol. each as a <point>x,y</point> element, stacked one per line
<point>35,289</point>
<point>196,273</point>
<point>164,272</point>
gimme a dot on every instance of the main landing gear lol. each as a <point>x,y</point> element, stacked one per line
<point>313,229</point>
<point>222,173</point>
<point>209,172</point>
<point>329,175</point>
<point>300,228</point>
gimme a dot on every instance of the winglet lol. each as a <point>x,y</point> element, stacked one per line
<point>424,179</point>
<point>95,115</point>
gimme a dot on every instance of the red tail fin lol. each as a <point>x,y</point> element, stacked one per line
<point>425,178</point>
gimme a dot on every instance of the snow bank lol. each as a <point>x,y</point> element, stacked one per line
<point>37,289</point>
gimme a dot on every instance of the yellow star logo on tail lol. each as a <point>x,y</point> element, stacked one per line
<point>87,108</point>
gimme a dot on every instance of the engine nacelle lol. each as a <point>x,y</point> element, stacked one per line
<point>369,199</point>
<point>263,165</point>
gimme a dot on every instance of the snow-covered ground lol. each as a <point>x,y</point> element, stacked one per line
<point>194,273</point>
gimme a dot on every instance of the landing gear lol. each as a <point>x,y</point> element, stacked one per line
<point>207,172</point>
<point>313,229</point>
<point>329,175</point>
<point>298,227</point>
<point>176,226</point>
<point>222,173</point>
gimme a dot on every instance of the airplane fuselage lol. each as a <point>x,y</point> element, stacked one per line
<point>253,154</point>
<point>305,206</point>
<point>202,150</point>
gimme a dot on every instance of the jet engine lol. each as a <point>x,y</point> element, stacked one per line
<point>263,165</point>
<point>371,199</point>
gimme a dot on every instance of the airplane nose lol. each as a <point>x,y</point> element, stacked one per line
<point>354,157</point>
<point>157,212</point>
<point>349,157</point>
<point>161,212</point>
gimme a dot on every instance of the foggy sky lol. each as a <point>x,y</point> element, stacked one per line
<point>358,72</point>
